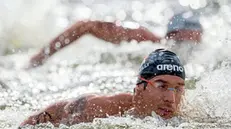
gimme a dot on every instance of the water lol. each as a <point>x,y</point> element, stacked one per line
<point>25,26</point>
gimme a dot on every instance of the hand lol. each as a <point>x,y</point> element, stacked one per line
<point>43,117</point>
<point>36,61</point>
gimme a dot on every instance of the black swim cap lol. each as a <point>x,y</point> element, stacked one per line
<point>161,62</point>
<point>185,21</point>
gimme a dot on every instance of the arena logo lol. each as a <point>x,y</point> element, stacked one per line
<point>170,67</point>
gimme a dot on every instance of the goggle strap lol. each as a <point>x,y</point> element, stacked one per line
<point>147,81</point>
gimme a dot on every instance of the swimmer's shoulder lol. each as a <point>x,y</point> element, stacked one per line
<point>83,101</point>
<point>79,103</point>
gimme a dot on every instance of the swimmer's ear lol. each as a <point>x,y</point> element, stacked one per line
<point>145,85</point>
<point>138,93</point>
<point>138,89</point>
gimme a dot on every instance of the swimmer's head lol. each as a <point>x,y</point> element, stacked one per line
<point>185,26</point>
<point>161,62</point>
<point>160,84</point>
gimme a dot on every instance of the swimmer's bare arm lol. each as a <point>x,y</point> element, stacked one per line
<point>69,112</point>
<point>104,30</point>
<point>83,109</point>
<point>53,113</point>
<point>59,112</point>
<point>98,107</point>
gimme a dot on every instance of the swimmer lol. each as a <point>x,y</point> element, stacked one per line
<point>182,27</point>
<point>159,88</point>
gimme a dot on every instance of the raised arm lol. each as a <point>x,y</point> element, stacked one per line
<point>104,30</point>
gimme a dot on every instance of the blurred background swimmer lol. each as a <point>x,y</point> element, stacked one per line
<point>182,28</point>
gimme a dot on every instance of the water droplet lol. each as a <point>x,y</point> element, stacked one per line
<point>67,41</point>
<point>57,45</point>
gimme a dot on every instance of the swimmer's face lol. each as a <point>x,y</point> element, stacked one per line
<point>163,95</point>
<point>185,35</point>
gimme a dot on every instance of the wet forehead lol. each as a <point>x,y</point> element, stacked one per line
<point>169,79</point>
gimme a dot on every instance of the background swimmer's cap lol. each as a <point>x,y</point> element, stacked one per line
<point>185,21</point>
<point>161,62</point>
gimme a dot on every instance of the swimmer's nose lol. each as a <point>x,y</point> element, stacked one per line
<point>169,95</point>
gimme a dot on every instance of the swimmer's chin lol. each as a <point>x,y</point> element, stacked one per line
<point>164,116</point>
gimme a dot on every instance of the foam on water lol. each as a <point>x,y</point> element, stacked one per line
<point>108,68</point>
